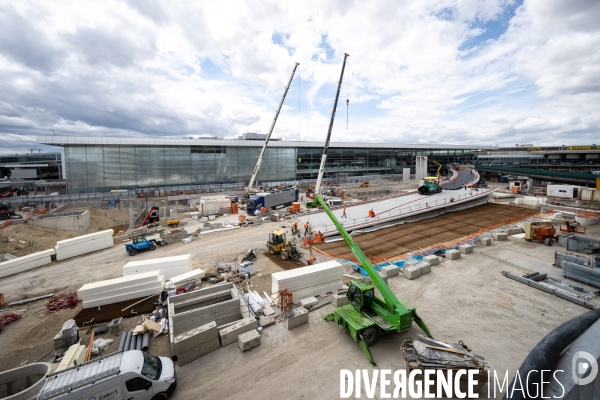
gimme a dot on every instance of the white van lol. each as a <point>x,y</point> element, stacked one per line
<point>131,375</point>
<point>335,203</point>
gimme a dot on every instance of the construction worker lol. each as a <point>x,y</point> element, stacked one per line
<point>295,227</point>
<point>319,237</point>
<point>344,213</point>
<point>371,213</point>
<point>306,228</point>
<point>465,185</point>
<point>311,260</point>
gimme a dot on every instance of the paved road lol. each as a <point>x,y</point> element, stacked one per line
<point>465,176</point>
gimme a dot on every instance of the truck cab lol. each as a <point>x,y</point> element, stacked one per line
<point>131,375</point>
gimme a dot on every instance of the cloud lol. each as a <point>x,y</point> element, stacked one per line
<point>438,71</point>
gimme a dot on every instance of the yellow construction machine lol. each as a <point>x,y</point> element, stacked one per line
<point>278,244</point>
<point>439,168</point>
<point>173,222</point>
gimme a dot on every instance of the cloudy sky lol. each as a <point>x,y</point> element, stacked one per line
<point>436,71</point>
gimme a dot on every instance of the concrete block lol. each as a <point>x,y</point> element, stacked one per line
<point>309,301</point>
<point>311,275</point>
<point>431,260</point>
<point>514,231</point>
<point>267,320</point>
<point>425,268</point>
<point>486,241</point>
<point>410,262</point>
<point>198,351</point>
<point>300,317</point>
<point>385,278</point>
<point>452,254</point>
<point>230,334</point>
<point>339,300</point>
<point>500,235</point>
<point>412,272</point>
<point>465,248</point>
<point>390,271</point>
<point>25,263</point>
<point>195,337</point>
<point>249,340</point>
<point>222,313</point>
<point>170,267</point>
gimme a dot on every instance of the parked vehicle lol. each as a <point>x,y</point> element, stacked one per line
<point>140,244</point>
<point>123,375</point>
<point>7,213</point>
<point>271,200</point>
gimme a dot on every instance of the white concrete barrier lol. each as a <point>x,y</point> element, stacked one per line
<point>25,263</point>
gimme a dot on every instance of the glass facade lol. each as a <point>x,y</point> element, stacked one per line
<point>104,168</point>
<point>92,168</point>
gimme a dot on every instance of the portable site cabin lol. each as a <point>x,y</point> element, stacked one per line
<point>565,191</point>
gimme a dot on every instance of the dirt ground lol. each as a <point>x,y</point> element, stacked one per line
<point>21,240</point>
<point>466,299</point>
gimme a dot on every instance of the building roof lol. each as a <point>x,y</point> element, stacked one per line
<point>147,141</point>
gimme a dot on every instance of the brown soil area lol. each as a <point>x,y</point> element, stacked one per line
<point>395,241</point>
<point>38,238</point>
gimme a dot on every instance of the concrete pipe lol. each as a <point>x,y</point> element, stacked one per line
<point>128,341</point>
<point>146,341</point>
<point>122,341</point>
<point>133,345</point>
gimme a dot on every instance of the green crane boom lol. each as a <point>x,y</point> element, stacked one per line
<point>368,314</point>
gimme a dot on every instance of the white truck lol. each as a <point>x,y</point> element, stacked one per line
<point>129,375</point>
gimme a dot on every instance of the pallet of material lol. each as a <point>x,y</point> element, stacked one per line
<point>121,289</point>
<point>309,281</point>
<point>84,244</point>
<point>25,263</point>
<point>169,267</point>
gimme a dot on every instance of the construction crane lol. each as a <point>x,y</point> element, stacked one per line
<point>264,148</point>
<point>368,314</point>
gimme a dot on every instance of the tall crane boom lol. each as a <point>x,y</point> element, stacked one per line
<point>326,147</point>
<point>368,314</point>
<point>264,148</point>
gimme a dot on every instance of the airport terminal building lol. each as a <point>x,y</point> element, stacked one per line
<point>93,164</point>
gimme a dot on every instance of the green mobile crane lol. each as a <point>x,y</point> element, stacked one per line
<point>368,314</point>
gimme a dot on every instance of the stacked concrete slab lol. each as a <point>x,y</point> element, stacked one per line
<point>219,304</point>
<point>169,267</point>
<point>121,289</point>
<point>230,334</point>
<point>309,281</point>
<point>25,263</point>
<point>84,244</point>
<point>195,343</point>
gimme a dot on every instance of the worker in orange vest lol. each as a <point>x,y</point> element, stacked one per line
<point>465,185</point>
<point>306,228</point>
<point>371,213</point>
<point>319,237</point>
<point>344,213</point>
<point>295,227</point>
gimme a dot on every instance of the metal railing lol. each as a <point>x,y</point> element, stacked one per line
<point>396,213</point>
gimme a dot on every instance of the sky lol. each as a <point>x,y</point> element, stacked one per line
<point>491,72</point>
